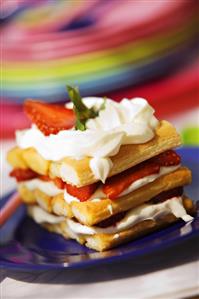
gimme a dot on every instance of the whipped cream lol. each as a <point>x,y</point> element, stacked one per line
<point>41,216</point>
<point>101,168</point>
<point>127,122</point>
<point>48,187</point>
<point>99,194</point>
<point>144,212</point>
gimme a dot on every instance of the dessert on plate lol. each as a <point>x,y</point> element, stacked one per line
<point>98,171</point>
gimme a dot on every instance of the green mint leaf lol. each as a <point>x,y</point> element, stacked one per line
<point>80,125</point>
<point>103,106</point>
<point>83,113</point>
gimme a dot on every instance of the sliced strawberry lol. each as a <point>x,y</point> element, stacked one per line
<point>118,183</point>
<point>45,178</point>
<point>168,158</point>
<point>23,174</point>
<point>49,118</point>
<point>82,193</point>
<point>57,181</point>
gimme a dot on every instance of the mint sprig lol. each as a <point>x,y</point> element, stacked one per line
<point>82,112</point>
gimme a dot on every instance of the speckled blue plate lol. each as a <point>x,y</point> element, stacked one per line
<point>27,246</point>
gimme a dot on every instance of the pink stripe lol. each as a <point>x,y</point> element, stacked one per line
<point>9,208</point>
<point>87,40</point>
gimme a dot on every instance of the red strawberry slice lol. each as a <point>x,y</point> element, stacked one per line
<point>49,118</point>
<point>23,174</point>
<point>118,183</point>
<point>82,193</point>
<point>45,178</point>
<point>168,158</point>
<point>59,183</point>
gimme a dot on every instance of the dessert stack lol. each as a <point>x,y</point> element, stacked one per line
<point>100,172</point>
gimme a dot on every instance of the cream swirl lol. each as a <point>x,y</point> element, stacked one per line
<point>127,122</point>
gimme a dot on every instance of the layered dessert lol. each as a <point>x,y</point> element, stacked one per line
<point>98,171</point>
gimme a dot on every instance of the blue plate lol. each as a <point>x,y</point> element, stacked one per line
<point>27,246</point>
